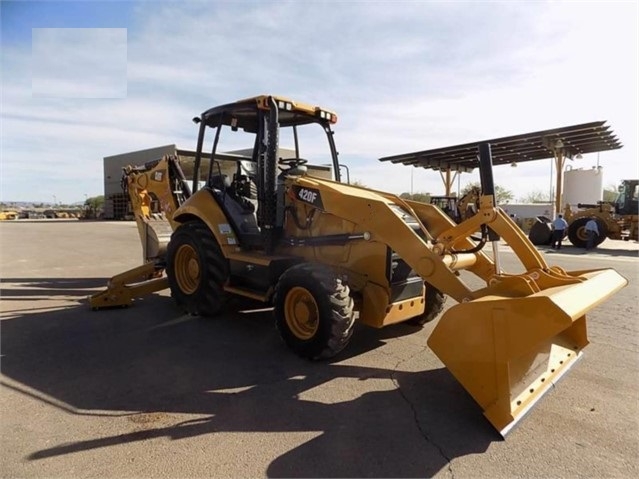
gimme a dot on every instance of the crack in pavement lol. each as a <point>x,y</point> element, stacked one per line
<point>415,415</point>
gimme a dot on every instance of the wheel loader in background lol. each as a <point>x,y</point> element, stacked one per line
<point>325,253</point>
<point>615,220</point>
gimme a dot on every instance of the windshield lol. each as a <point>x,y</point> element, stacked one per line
<point>628,194</point>
<point>310,142</point>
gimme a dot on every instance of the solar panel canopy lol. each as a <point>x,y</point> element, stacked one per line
<point>568,141</point>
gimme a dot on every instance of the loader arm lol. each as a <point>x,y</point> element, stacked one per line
<point>506,343</point>
<point>384,215</point>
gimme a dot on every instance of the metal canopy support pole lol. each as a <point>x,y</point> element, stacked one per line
<point>448,180</point>
<point>451,183</point>
<point>559,168</point>
<point>412,170</point>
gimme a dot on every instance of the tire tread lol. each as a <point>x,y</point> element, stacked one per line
<point>210,297</point>
<point>336,296</point>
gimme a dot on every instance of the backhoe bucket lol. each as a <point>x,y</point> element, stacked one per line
<point>508,352</point>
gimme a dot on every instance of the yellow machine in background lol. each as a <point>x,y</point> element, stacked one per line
<point>8,215</point>
<point>616,220</point>
<point>459,209</point>
<point>325,253</point>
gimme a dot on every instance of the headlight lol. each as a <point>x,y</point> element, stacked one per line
<point>284,105</point>
<point>325,115</point>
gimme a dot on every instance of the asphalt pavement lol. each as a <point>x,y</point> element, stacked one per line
<point>150,392</point>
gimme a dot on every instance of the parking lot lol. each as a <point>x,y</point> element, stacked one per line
<point>150,392</point>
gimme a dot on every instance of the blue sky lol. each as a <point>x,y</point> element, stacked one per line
<point>85,80</point>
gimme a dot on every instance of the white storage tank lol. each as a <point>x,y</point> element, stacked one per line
<point>583,185</point>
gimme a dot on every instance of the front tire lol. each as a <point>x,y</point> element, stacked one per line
<point>196,269</point>
<point>435,300</point>
<point>313,311</point>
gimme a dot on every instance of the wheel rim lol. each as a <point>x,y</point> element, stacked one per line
<point>582,234</point>
<point>187,269</point>
<point>301,313</point>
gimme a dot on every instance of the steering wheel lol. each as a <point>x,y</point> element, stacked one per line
<point>292,162</point>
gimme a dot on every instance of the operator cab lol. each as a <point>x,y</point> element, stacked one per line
<point>254,145</point>
<point>627,202</point>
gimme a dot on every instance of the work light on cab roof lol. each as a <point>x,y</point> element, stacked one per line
<point>285,104</point>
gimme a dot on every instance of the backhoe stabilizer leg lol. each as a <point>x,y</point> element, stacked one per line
<point>134,283</point>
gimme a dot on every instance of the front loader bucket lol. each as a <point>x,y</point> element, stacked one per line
<point>507,352</point>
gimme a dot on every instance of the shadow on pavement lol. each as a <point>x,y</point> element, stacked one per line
<point>236,373</point>
<point>573,250</point>
<point>45,288</point>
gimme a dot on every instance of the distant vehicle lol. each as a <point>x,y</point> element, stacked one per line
<point>459,209</point>
<point>616,220</point>
<point>8,215</point>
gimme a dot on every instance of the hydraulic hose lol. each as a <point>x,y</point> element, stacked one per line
<point>479,246</point>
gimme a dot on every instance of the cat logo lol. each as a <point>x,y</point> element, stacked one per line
<point>309,195</point>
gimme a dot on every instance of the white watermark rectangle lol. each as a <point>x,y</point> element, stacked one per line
<point>79,62</point>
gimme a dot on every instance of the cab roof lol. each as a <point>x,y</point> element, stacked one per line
<point>244,113</point>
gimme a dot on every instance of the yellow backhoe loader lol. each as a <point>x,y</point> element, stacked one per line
<point>459,209</point>
<point>324,253</point>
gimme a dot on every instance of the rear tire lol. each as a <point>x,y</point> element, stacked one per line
<point>313,311</point>
<point>196,269</point>
<point>435,300</point>
<point>579,237</point>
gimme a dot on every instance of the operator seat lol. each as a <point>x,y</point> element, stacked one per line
<point>220,182</point>
<point>238,199</point>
